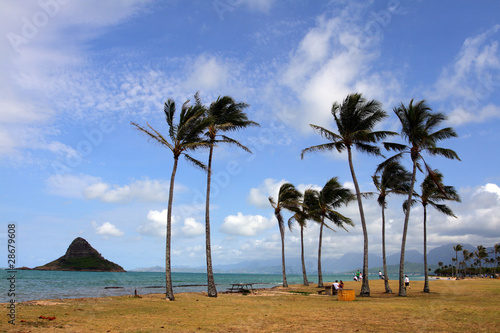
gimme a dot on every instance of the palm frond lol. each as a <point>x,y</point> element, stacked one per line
<point>323,147</point>
<point>195,162</point>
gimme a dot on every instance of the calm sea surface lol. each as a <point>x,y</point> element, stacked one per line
<point>37,285</point>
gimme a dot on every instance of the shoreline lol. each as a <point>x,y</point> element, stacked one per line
<point>292,309</point>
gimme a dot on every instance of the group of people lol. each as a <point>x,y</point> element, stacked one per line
<point>358,276</point>
<point>338,285</point>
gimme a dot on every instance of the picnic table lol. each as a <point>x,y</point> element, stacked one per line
<point>241,287</point>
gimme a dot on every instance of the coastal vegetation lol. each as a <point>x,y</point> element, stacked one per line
<point>356,119</point>
<point>419,128</point>
<point>466,306</point>
<point>432,193</point>
<point>225,115</point>
<point>393,179</point>
<point>288,198</point>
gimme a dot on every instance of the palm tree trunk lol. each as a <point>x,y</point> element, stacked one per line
<point>282,233</point>
<point>320,274</point>
<point>384,261</point>
<point>426,274</point>
<point>402,288</point>
<point>365,287</point>
<point>212,291</point>
<point>304,274</point>
<point>456,259</point>
<point>168,271</point>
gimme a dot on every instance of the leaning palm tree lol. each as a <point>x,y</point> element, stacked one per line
<point>301,218</point>
<point>395,179</point>
<point>419,125</point>
<point>288,198</point>
<point>321,205</point>
<point>456,248</point>
<point>355,119</point>
<point>226,116</point>
<point>182,137</point>
<point>432,192</point>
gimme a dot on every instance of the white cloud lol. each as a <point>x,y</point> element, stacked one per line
<point>156,223</point>
<point>334,59</point>
<point>93,188</point>
<point>192,228</point>
<point>259,196</point>
<point>471,79</point>
<point>37,50</point>
<point>70,186</point>
<point>246,225</point>
<point>107,229</point>
<point>208,73</point>
<point>143,190</point>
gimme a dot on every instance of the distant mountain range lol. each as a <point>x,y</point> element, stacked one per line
<point>349,262</point>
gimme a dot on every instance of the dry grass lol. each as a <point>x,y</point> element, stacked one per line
<point>458,306</point>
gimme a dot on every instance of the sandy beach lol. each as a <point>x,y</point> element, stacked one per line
<point>461,306</point>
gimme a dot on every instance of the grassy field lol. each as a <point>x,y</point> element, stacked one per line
<point>451,306</point>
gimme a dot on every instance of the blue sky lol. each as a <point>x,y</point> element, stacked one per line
<point>76,73</point>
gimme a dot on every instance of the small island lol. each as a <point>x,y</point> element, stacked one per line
<point>81,256</point>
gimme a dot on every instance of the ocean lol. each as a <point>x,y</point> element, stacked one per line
<point>38,285</point>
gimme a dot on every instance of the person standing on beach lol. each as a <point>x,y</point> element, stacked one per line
<point>407,282</point>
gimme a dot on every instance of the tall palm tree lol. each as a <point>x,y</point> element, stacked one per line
<point>432,192</point>
<point>393,179</point>
<point>419,125</point>
<point>183,137</point>
<point>321,205</point>
<point>355,119</point>
<point>226,116</point>
<point>288,198</point>
<point>301,218</point>
<point>457,248</point>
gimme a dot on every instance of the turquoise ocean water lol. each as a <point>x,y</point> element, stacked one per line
<point>37,285</point>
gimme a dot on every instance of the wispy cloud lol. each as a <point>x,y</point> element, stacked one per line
<point>93,188</point>
<point>466,84</point>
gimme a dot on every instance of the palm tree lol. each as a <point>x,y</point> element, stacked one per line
<point>457,248</point>
<point>440,264</point>
<point>496,250</point>
<point>418,125</point>
<point>465,254</point>
<point>355,119</point>
<point>481,254</point>
<point>301,218</point>
<point>226,116</point>
<point>182,137</point>
<point>432,192</point>
<point>394,179</point>
<point>469,256</point>
<point>321,205</point>
<point>288,198</point>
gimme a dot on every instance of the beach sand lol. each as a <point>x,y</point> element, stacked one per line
<point>461,306</point>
